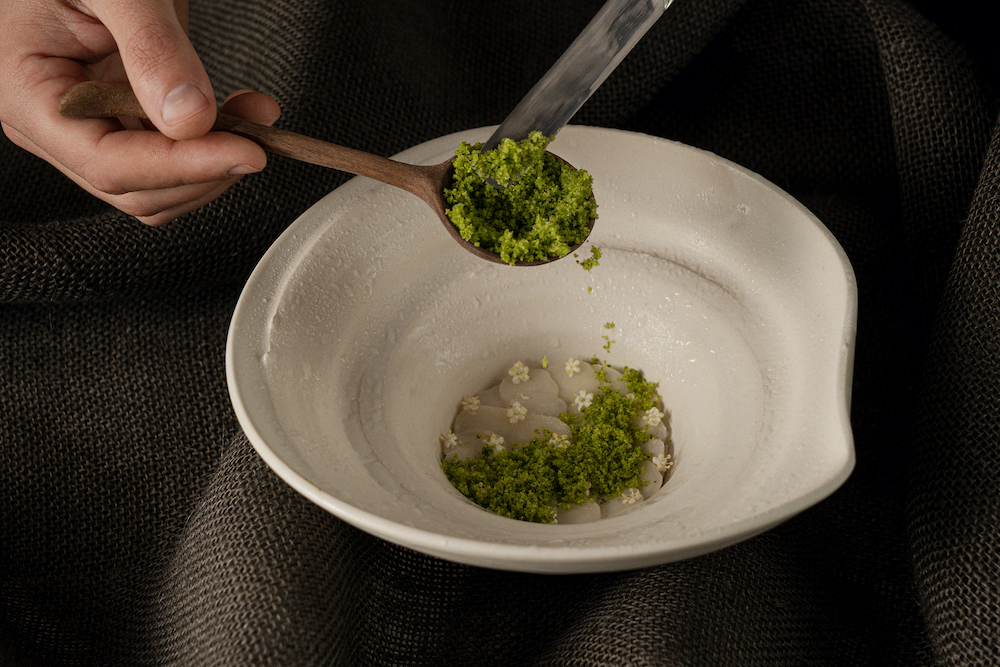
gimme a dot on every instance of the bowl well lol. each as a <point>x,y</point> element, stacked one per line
<point>364,325</point>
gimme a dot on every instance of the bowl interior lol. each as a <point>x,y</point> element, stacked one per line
<point>365,324</point>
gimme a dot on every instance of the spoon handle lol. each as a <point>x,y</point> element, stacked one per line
<point>103,99</point>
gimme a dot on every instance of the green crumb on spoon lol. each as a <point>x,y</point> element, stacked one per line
<point>543,212</point>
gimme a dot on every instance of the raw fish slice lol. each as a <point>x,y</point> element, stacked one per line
<point>463,452</point>
<point>653,446</point>
<point>495,420</point>
<point>471,446</point>
<point>476,439</point>
<point>525,431</point>
<point>486,418</point>
<point>615,507</point>
<point>541,382</point>
<point>660,430</point>
<point>492,398</point>
<point>569,385</point>
<point>588,513</point>
<point>651,475</point>
<point>542,404</point>
<point>468,446</point>
<point>665,422</point>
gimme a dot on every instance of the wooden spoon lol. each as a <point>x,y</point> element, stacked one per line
<point>101,99</point>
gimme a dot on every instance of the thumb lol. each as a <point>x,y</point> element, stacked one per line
<point>166,74</point>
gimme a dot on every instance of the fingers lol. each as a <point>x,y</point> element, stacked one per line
<point>130,161</point>
<point>191,198</point>
<point>246,104</point>
<point>148,175</point>
<point>53,44</point>
<point>151,205</point>
<point>162,65</point>
<point>253,106</point>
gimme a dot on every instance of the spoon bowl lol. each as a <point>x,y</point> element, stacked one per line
<point>102,99</point>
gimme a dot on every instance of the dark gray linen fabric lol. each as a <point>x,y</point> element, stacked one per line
<point>140,528</point>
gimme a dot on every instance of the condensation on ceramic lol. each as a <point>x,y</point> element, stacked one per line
<point>365,324</point>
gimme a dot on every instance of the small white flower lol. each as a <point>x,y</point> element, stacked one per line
<point>495,442</point>
<point>559,441</point>
<point>449,440</point>
<point>663,462</point>
<point>470,403</point>
<point>653,416</point>
<point>583,399</point>
<point>572,366</point>
<point>630,496</point>
<point>516,412</point>
<point>519,373</point>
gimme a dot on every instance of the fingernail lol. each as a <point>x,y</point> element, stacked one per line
<point>182,102</point>
<point>242,169</point>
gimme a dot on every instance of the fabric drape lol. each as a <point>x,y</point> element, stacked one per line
<point>139,527</point>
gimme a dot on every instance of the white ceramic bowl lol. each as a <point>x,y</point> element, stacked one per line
<point>364,325</point>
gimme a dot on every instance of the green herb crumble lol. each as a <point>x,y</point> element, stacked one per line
<point>592,261</point>
<point>601,459</point>
<point>541,214</point>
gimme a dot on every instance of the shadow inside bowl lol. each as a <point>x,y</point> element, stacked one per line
<point>365,325</point>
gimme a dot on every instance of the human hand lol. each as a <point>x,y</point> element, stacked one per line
<point>49,45</point>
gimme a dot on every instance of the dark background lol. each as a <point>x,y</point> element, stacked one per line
<point>140,528</point>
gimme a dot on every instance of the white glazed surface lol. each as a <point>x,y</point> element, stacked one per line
<point>365,323</point>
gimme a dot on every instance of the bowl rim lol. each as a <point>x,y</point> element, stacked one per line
<point>550,558</point>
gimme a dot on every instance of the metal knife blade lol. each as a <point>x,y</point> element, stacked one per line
<point>594,54</point>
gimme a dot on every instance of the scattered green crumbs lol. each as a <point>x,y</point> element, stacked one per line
<point>599,462</point>
<point>607,339</point>
<point>592,261</point>
<point>539,215</point>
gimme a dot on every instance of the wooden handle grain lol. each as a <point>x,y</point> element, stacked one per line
<point>103,99</point>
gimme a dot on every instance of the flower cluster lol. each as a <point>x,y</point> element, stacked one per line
<point>519,373</point>
<point>653,417</point>
<point>631,495</point>
<point>449,440</point>
<point>663,462</point>
<point>516,412</point>
<point>494,442</point>
<point>559,441</point>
